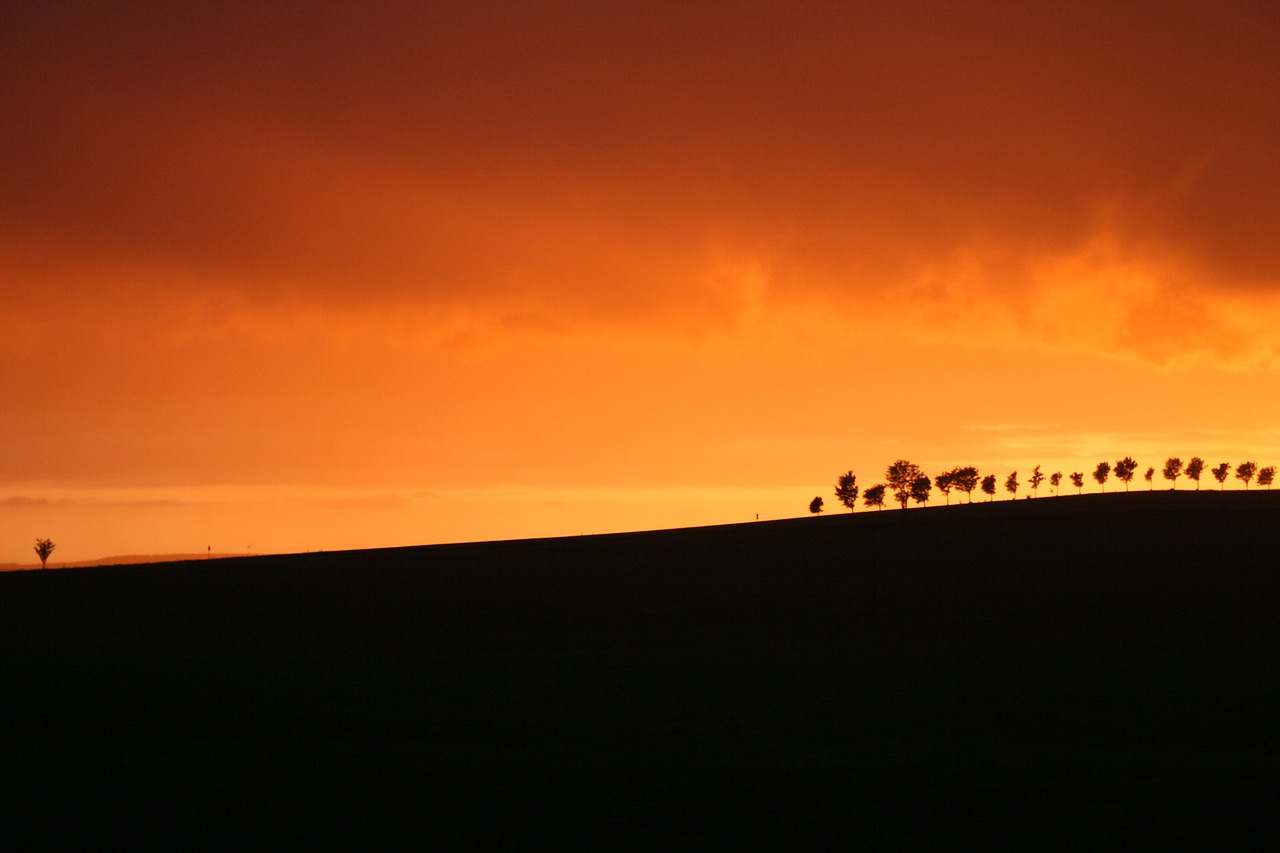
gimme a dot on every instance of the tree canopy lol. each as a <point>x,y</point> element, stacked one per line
<point>847,490</point>
<point>902,476</point>
<point>1125,470</point>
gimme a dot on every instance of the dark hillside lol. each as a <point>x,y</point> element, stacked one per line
<point>1064,671</point>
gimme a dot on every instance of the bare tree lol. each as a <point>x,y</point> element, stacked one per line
<point>1101,473</point>
<point>1194,469</point>
<point>920,489</point>
<point>44,547</point>
<point>1220,474</point>
<point>1055,479</point>
<point>989,486</point>
<point>966,480</point>
<point>1245,472</point>
<point>1124,470</point>
<point>1077,480</point>
<point>874,496</point>
<point>847,490</point>
<point>1172,470</point>
<point>1266,476</point>
<point>815,505</point>
<point>1036,479</point>
<point>902,475</point>
<point>1011,484</point>
<point>1151,472</point>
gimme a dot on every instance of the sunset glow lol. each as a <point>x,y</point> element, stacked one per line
<point>285,277</point>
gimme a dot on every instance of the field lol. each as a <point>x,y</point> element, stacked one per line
<point>1060,672</point>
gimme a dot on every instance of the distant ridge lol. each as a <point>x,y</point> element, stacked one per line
<point>123,560</point>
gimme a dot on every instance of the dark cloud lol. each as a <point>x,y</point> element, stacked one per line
<point>584,158</point>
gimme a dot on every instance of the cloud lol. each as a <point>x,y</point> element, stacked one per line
<point>1081,176</point>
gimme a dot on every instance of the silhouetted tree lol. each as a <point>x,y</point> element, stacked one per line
<point>1054,480</point>
<point>1194,469</point>
<point>920,489</point>
<point>989,486</point>
<point>1125,470</point>
<point>1101,473</point>
<point>966,480</point>
<point>1011,484</point>
<point>44,547</point>
<point>815,505</point>
<point>1266,476</point>
<point>847,490</point>
<point>1151,472</point>
<point>902,475</point>
<point>1036,479</point>
<point>874,496</point>
<point>1220,474</point>
<point>944,483</point>
<point>1172,470</point>
<point>1245,472</point>
<point>1077,480</point>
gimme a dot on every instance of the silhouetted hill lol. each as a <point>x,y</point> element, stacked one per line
<point>1061,671</point>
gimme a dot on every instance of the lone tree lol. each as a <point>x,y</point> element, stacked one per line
<point>1036,479</point>
<point>1011,484</point>
<point>966,480</point>
<point>847,490</point>
<point>945,482</point>
<point>989,486</point>
<point>44,547</point>
<point>1055,479</point>
<point>902,475</point>
<point>1151,472</point>
<point>1194,469</point>
<point>1101,473</point>
<point>920,489</point>
<point>1173,470</point>
<point>874,496</point>
<point>815,505</point>
<point>1125,469</point>
<point>1077,480</point>
<point>1220,474</point>
<point>1266,476</point>
<point>1245,472</point>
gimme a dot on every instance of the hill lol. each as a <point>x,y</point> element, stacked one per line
<point>1073,670</point>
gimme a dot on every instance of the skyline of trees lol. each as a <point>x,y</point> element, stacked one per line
<point>909,482</point>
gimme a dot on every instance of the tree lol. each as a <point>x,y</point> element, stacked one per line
<point>989,486</point>
<point>1124,470</point>
<point>874,496</point>
<point>44,547</point>
<point>1266,476</point>
<point>1151,472</point>
<point>1220,474</point>
<point>1194,469</point>
<point>847,490</point>
<point>1011,484</point>
<point>1077,480</point>
<point>966,480</point>
<point>1172,470</point>
<point>815,505</point>
<point>902,475</point>
<point>920,489</point>
<point>1101,473</point>
<point>1055,479</point>
<point>1036,479</point>
<point>1245,472</point>
<point>945,482</point>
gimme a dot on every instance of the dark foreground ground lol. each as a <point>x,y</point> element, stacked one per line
<point>1063,672</point>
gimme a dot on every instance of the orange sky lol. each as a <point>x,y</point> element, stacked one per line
<point>344,275</point>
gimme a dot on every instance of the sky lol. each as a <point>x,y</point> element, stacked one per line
<point>298,276</point>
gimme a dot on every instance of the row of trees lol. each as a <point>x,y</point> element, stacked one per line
<point>908,481</point>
